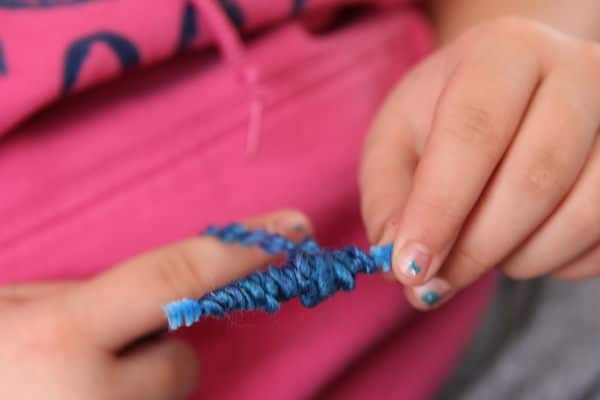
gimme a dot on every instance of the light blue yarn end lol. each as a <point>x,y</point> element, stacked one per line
<point>182,312</point>
<point>383,256</point>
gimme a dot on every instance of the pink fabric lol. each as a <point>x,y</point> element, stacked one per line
<point>156,156</point>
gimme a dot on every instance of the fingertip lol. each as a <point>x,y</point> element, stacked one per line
<point>411,262</point>
<point>290,223</point>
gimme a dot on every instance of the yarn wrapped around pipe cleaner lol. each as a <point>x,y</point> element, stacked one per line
<point>309,272</point>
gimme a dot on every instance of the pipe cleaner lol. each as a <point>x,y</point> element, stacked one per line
<point>309,272</point>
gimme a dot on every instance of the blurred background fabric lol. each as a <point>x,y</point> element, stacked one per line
<point>539,340</point>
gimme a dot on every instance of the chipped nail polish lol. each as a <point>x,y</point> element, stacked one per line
<point>413,268</point>
<point>430,297</point>
<point>298,228</point>
<point>290,226</point>
<point>432,292</point>
<point>414,259</point>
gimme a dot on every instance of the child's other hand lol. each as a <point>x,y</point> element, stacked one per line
<point>73,341</point>
<point>487,155</point>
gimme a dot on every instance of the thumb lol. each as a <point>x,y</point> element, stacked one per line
<point>124,304</point>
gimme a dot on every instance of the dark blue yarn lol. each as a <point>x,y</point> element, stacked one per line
<point>270,243</point>
<point>311,273</point>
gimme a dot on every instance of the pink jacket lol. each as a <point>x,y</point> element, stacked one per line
<point>192,137</point>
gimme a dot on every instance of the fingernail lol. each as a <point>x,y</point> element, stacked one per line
<point>299,228</point>
<point>414,259</point>
<point>432,293</point>
<point>291,225</point>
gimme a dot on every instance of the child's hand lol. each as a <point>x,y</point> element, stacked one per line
<point>487,155</point>
<point>73,341</point>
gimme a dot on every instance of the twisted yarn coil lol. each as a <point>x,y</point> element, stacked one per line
<point>309,272</point>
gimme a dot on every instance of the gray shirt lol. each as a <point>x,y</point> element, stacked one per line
<point>539,339</point>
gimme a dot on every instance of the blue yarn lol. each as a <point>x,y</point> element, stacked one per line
<point>270,243</point>
<point>310,273</point>
<point>384,254</point>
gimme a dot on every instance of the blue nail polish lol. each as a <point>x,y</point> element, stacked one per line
<point>414,268</point>
<point>430,298</point>
<point>298,228</point>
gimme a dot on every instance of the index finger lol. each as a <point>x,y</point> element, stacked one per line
<point>124,304</point>
<point>474,122</point>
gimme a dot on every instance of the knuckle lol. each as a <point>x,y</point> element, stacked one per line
<point>477,121</point>
<point>179,273</point>
<point>474,127</point>
<point>545,175</point>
